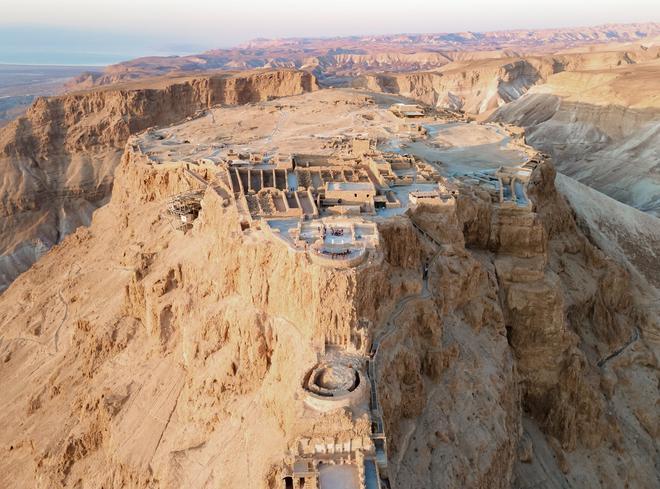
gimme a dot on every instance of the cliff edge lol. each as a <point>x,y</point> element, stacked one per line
<point>58,160</point>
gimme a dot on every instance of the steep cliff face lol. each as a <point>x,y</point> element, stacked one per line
<point>530,297</point>
<point>601,127</point>
<point>595,113</point>
<point>449,391</point>
<point>352,64</point>
<point>58,160</point>
<point>474,87</point>
<point>480,85</point>
<point>135,355</point>
<point>214,332</point>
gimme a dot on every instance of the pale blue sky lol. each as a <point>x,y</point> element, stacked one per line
<point>159,26</point>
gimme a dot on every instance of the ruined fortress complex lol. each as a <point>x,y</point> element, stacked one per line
<point>332,290</point>
<point>328,205</point>
<point>258,280</point>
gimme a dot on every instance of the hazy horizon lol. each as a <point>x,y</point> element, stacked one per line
<point>79,33</point>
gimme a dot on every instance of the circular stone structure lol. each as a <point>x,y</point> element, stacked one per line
<point>329,379</point>
<point>335,384</point>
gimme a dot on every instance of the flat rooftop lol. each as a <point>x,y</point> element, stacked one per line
<point>350,186</point>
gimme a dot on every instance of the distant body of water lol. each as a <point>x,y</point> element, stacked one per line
<point>20,84</point>
<point>34,79</point>
<point>43,45</point>
<point>43,58</point>
<point>29,75</point>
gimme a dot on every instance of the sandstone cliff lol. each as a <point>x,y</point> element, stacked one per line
<point>601,127</point>
<point>136,355</point>
<point>473,87</point>
<point>183,375</point>
<point>595,112</point>
<point>481,84</point>
<point>224,367</point>
<point>531,286</point>
<point>58,160</point>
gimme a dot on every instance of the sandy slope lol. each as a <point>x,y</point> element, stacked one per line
<point>602,127</point>
<point>623,232</point>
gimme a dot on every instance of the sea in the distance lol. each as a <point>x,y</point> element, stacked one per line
<point>63,58</point>
<point>42,46</point>
<point>39,60</point>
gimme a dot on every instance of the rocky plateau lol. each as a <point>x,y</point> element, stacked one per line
<point>137,355</point>
<point>432,262</point>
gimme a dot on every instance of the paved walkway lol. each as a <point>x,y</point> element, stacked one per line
<point>283,115</point>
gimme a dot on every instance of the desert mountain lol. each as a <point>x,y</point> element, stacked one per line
<point>595,112</point>
<point>220,278</point>
<point>334,60</point>
<point>602,127</point>
<point>58,160</point>
<point>265,326</point>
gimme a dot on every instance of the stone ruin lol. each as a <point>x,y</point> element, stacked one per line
<point>513,186</point>
<point>407,111</point>
<point>184,207</point>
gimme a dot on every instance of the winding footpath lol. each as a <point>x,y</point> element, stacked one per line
<point>283,116</point>
<point>619,351</point>
<point>56,335</point>
<point>377,415</point>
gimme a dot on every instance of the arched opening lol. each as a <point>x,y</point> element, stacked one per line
<point>288,482</point>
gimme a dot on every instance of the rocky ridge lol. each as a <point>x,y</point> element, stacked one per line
<point>479,86</point>
<point>183,377</point>
<point>334,59</point>
<point>595,112</point>
<point>601,126</point>
<point>58,160</point>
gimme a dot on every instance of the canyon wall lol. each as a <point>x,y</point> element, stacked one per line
<point>159,359</point>
<point>58,159</point>
<point>480,84</point>
<point>506,372</point>
<point>473,87</point>
<point>601,127</point>
<point>596,113</point>
<point>194,357</point>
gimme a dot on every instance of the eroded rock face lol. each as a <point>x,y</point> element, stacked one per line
<point>58,160</point>
<point>161,359</point>
<point>589,110</point>
<point>589,136</point>
<point>516,289</point>
<point>471,86</point>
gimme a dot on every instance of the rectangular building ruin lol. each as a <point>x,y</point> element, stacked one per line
<point>407,111</point>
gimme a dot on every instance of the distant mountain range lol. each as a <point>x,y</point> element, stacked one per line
<point>332,58</point>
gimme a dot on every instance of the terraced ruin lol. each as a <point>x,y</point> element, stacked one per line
<point>328,202</point>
